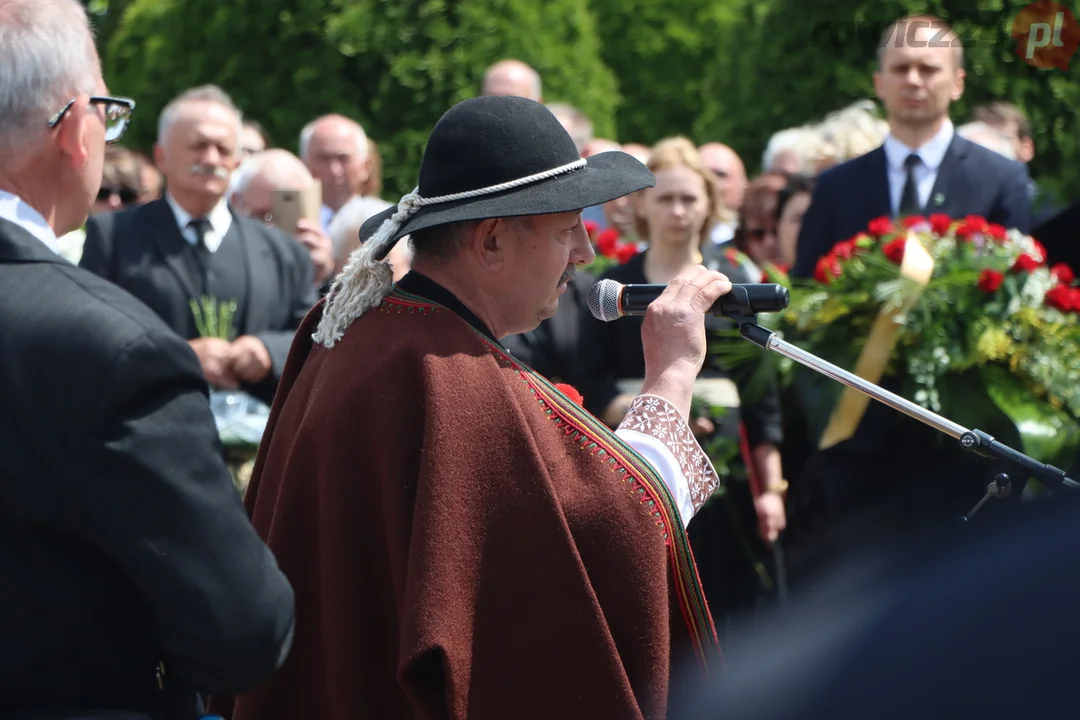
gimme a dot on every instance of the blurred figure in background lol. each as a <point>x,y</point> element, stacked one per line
<point>794,150</point>
<point>253,138</point>
<point>730,174</point>
<point>191,246</point>
<point>254,185</point>
<point>512,77</point>
<point>576,123</point>
<point>756,235</point>
<point>791,205</point>
<point>846,134</point>
<point>372,187</point>
<point>982,134</point>
<point>152,180</point>
<point>335,150</point>
<point>121,187</point>
<point>345,233</point>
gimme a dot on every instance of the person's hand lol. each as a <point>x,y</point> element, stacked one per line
<point>771,516</point>
<point>319,246</point>
<point>251,360</point>
<point>701,426</point>
<point>673,335</point>
<point>216,358</point>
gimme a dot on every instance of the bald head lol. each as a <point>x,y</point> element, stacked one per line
<point>512,77</point>
<point>729,169</point>
<point>262,174</point>
<point>335,150</point>
<point>639,151</point>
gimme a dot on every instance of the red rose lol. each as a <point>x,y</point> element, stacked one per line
<point>894,250</point>
<point>827,268</point>
<point>977,224</point>
<point>625,252</point>
<point>881,226</point>
<point>732,255</point>
<point>940,223</point>
<point>1063,273</point>
<point>998,232</point>
<point>912,221</point>
<point>591,226</point>
<point>964,232</point>
<point>843,250</point>
<point>1062,298</point>
<point>990,280</point>
<point>1025,263</point>
<point>607,242</point>
<point>782,269</point>
<point>571,392</point>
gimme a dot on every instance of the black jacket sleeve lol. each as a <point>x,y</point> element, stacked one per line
<point>153,493</point>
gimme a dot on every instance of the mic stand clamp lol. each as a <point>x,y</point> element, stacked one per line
<point>974,441</point>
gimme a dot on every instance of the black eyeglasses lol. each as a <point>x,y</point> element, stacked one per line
<point>117,114</point>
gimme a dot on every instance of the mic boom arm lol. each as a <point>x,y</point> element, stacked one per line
<point>972,440</point>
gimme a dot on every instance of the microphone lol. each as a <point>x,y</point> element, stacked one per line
<point>610,300</point>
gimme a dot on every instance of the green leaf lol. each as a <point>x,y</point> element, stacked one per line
<point>1046,434</point>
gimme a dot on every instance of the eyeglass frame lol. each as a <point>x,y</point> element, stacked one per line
<point>94,100</point>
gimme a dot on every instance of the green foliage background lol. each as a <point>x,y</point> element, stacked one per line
<point>728,70</point>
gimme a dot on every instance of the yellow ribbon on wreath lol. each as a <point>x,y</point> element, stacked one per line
<point>917,267</point>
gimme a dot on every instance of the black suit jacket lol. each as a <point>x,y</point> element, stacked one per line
<point>972,180</point>
<point>123,541</point>
<point>140,250</point>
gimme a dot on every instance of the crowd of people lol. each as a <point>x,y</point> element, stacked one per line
<point>417,524</point>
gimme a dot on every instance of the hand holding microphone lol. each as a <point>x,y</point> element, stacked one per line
<point>609,300</point>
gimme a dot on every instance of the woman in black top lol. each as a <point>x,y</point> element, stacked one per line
<point>732,535</point>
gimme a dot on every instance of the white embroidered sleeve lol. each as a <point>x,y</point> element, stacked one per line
<point>656,430</point>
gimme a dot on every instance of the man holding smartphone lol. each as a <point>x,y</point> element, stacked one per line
<point>275,187</point>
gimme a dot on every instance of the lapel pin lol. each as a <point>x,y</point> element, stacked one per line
<point>939,200</point>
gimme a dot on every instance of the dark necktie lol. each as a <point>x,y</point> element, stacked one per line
<point>201,226</point>
<point>909,200</point>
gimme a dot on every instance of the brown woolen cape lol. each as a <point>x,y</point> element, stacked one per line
<point>463,540</point>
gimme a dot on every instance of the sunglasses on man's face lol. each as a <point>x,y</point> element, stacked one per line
<point>117,114</point>
<point>127,195</point>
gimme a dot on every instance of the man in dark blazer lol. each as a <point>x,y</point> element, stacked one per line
<point>895,475</point>
<point>952,175</point>
<point>191,244</point>
<point>132,578</point>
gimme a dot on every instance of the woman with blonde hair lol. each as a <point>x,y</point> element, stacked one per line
<point>674,219</point>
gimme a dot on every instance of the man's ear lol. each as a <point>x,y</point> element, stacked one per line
<point>488,239</point>
<point>159,156</point>
<point>72,134</point>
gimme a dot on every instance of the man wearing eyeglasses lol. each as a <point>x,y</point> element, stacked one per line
<point>131,580</point>
<point>236,288</point>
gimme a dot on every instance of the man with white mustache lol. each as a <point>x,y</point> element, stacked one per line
<point>191,248</point>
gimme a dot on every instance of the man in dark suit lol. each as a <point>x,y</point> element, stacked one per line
<point>132,578</point>
<point>192,245</point>
<point>923,167</point>
<point>895,475</point>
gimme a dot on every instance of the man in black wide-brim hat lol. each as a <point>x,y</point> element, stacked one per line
<point>464,540</point>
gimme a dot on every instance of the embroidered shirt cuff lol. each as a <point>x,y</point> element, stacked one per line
<point>656,430</point>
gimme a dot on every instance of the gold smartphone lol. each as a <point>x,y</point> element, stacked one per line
<point>291,206</point>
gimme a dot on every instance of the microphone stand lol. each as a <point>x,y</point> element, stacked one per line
<point>972,440</point>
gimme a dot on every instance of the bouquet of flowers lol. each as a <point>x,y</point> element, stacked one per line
<point>611,248</point>
<point>967,313</point>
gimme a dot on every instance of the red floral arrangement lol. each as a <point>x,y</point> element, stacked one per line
<point>974,300</point>
<point>611,248</point>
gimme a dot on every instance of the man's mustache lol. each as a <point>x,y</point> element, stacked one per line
<point>215,171</point>
<point>568,275</point>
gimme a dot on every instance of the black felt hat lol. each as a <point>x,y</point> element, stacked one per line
<point>492,157</point>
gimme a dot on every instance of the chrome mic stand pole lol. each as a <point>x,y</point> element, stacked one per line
<point>973,440</point>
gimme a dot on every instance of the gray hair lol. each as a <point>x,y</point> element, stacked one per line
<point>47,56</point>
<point>345,226</point>
<point>280,167</point>
<point>576,123</point>
<point>203,93</point>
<point>309,131</point>
<point>806,142</point>
<point>988,136</point>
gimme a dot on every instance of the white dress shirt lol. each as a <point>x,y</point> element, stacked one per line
<point>931,153</point>
<point>14,209</point>
<point>220,221</point>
